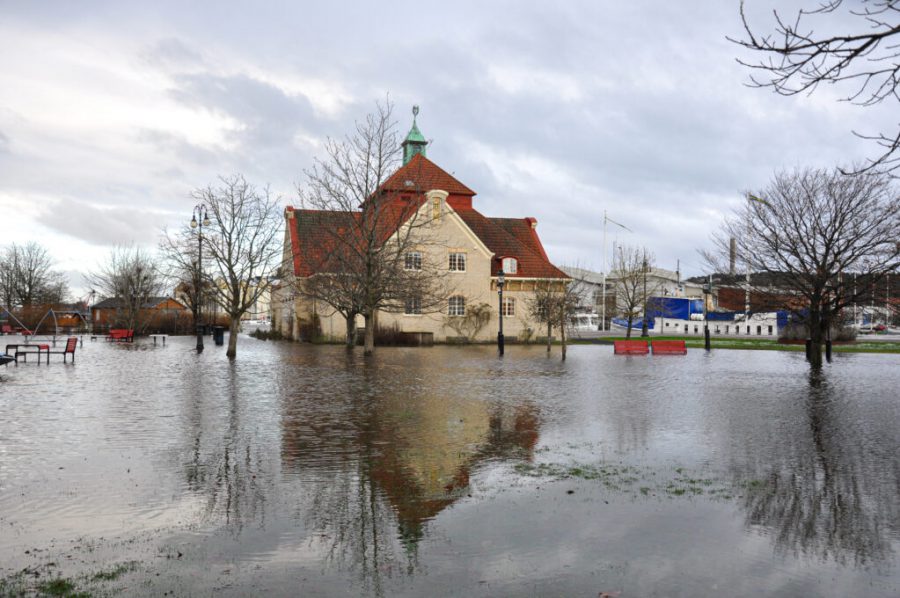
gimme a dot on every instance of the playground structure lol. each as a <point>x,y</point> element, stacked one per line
<point>51,335</point>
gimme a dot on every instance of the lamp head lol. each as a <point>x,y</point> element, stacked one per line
<point>205,218</point>
<point>501,278</point>
<point>193,221</point>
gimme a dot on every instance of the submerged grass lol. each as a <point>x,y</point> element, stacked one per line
<point>644,482</point>
<point>33,581</point>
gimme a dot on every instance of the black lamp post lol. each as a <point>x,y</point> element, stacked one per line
<point>644,323</point>
<point>199,210</point>
<point>501,280</point>
<point>707,295</point>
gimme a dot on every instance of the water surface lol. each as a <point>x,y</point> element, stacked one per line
<point>447,471</point>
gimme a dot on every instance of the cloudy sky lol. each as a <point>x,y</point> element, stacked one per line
<point>112,112</point>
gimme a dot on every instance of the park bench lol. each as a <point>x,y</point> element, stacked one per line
<point>669,348</point>
<point>6,329</point>
<point>71,343</point>
<point>120,335</point>
<point>631,347</point>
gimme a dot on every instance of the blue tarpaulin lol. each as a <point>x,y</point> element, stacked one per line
<point>679,308</point>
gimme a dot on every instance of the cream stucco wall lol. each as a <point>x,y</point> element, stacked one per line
<point>445,235</point>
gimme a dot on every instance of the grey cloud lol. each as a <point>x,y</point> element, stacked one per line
<point>173,55</point>
<point>4,143</point>
<point>177,146</point>
<point>269,115</point>
<point>111,226</point>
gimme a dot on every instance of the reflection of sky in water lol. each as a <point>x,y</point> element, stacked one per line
<point>402,474</point>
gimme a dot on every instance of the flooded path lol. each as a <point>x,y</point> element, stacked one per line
<point>448,472</point>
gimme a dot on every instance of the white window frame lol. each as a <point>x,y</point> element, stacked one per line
<point>416,258</point>
<point>412,306</point>
<point>457,259</point>
<point>510,265</point>
<point>456,306</point>
<point>509,307</point>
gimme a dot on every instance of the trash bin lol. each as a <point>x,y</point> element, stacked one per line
<point>219,335</point>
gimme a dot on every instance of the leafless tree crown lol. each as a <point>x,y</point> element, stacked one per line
<point>366,230</point>
<point>130,276</point>
<point>241,242</point>
<point>863,57</point>
<point>27,276</point>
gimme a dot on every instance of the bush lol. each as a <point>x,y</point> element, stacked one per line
<point>268,335</point>
<point>799,331</point>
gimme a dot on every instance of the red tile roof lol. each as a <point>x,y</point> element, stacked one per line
<point>420,175</point>
<point>316,247</point>
<point>512,237</point>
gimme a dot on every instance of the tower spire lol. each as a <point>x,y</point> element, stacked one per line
<point>415,142</point>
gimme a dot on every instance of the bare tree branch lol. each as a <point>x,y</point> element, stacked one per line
<point>866,61</point>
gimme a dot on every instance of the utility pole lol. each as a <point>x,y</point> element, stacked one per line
<point>603,290</point>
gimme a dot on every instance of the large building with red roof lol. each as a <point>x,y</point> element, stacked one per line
<point>469,248</point>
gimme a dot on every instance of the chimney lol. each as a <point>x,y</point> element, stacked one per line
<point>732,256</point>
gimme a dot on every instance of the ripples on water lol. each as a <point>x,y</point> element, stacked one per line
<point>447,469</point>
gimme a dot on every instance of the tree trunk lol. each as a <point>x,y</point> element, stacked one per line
<point>628,331</point>
<point>562,331</point>
<point>351,331</point>
<point>369,346</point>
<point>549,333</point>
<point>233,329</point>
<point>815,337</point>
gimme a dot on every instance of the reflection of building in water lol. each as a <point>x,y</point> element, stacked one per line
<point>419,452</point>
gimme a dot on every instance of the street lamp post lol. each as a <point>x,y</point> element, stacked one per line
<point>707,296</point>
<point>644,322</point>
<point>203,220</point>
<point>501,280</point>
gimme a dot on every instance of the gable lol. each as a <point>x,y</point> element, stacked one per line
<point>421,174</point>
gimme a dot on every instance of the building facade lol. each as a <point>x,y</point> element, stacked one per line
<point>461,246</point>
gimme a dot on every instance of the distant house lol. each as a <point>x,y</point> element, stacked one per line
<point>154,311</point>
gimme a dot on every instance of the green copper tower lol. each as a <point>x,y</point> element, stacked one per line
<point>414,143</point>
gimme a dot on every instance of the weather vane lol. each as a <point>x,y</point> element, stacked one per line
<point>415,111</point>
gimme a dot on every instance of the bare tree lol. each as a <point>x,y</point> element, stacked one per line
<point>631,266</point>
<point>241,241</point>
<point>806,232</point>
<point>553,303</point>
<point>372,252</point>
<point>129,276</point>
<point>27,277</point>
<point>861,54</point>
<point>179,252</point>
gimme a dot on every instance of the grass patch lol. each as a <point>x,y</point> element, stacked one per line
<point>116,572</point>
<point>644,481</point>
<point>61,587</point>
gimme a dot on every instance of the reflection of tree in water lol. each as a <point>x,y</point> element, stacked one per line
<point>826,494</point>
<point>224,470</point>
<point>384,466</point>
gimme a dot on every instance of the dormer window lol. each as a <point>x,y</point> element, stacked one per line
<point>510,265</point>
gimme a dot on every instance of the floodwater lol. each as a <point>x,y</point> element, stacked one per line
<point>447,471</point>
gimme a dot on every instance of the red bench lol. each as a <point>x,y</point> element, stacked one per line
<point>121,335</point>
<point>71,343</point>
<point>6,329</point>
<point>631,347</point>
<point>669,348</point>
